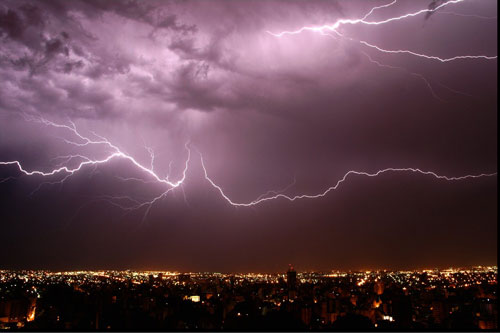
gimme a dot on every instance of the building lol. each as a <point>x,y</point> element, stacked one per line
<point>291,278</point>
<point>17,310</point>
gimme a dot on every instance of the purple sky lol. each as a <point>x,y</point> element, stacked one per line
<point>263,111</point>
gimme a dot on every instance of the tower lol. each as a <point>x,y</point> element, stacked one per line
<point>291,278</point>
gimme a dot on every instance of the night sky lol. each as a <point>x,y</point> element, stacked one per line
<point>165,85</point>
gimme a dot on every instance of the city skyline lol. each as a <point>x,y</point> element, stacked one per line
<point>129,300</point>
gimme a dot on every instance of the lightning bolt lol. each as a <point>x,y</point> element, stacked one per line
<point>427,56</point>
<point>337,184</point>
<point>116,153</point>
<point>133,204</point>
<point>341,22</point>
<point>377,7</point>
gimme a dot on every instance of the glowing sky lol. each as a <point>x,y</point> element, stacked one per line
<point>246,135</point>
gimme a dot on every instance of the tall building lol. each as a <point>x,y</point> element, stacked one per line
<point>291,278</point>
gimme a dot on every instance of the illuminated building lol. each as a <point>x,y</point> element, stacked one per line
<point>17,310</point>
<point>194,298</point>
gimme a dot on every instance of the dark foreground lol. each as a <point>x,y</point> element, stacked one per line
<point>455,299</point>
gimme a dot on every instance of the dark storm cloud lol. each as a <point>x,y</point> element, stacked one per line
<point>262,110</point>
<point>34,44</point>
<point>11,23</point>
<point>83,52</point>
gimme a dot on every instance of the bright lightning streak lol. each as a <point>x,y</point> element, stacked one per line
<point>378,7</point>
<point>337,184</point>
<point>63,168</point>
<point>117,153</point>
<point>427,56</point>
<point>335,26</point>
<point>338,23</point>
<point>148,204</point>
